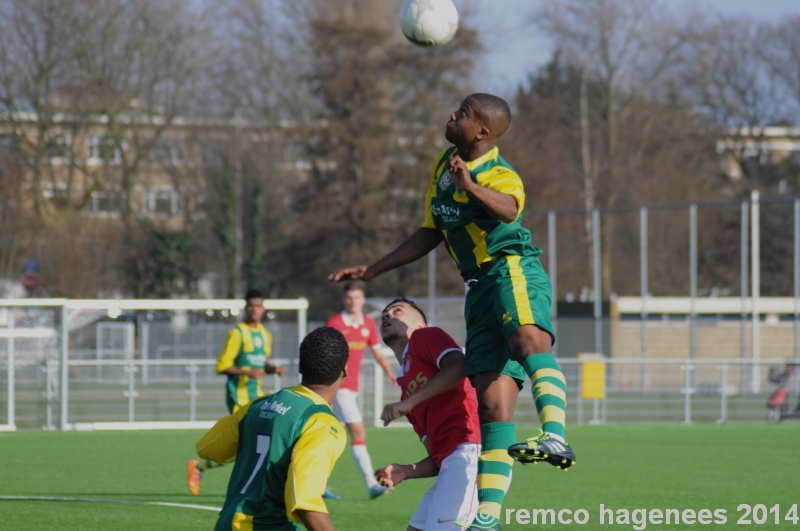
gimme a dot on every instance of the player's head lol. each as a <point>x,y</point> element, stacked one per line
<point>323,357</point>
<point>480,118</point>
<point>400,319</point>
<point>353,299</point>
<point>254,305</point>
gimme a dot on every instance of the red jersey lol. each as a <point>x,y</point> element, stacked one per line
<point>448,419</point>
<point>359,335</point>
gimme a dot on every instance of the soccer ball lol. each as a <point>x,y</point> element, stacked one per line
<point>429,23</point>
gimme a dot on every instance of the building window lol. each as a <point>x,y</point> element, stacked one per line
<point>166,153</point>
<point>105,204</point>
<point>58,147</point>
<point>56,196</point>
<point>101,149</point>
<point>162,203</point>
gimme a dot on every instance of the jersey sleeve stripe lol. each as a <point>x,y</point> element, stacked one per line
<point>442,355</point>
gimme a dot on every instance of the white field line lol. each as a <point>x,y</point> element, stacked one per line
<point>100,500</point>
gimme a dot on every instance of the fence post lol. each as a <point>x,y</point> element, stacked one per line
<point>302,326</point>
<point>377,395</point>
<point>432,287</point>
<point>797,278</point>
<point>643,277</point>
<point>64,386</point>
<point>687,390</point>
<point>192,392</point>
<point>131,392</point>
<point>48,394</point>
<point>551,261</point>
<point>580,393</point>
<point>10,371</point>
<point>723,378</point>
<point>756,265</point>
<point>693,280</point>
<point>598,295</point>
<point>144,344</point>
<point>744,277</point>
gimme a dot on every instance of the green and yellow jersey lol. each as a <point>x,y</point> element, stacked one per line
<point>245,348</point>
<point>471,235</point>
<point>285,446</point>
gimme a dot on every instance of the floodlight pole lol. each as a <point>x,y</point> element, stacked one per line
<point>552,246</point>
<point>598,297</point>
<point>237,191</point>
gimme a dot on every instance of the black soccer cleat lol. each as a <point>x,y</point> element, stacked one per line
<point>543,448</point>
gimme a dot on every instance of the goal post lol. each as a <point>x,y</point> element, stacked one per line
<point>109,343</point>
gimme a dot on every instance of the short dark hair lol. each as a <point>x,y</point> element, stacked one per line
<point>353,286</point>
<point>496,110</point>
<point>323,356</point>
<point>410,303</point>
<point>253,294</point>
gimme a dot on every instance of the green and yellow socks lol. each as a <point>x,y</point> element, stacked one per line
<point>494,471</point>
<point>203,465</point>
<point>549,393</point>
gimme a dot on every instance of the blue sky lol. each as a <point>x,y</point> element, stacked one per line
<point>521,50</point>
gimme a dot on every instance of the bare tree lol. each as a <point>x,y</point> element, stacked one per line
<point>141,61</point>
<point>39,104</point>
<point>629,47</point>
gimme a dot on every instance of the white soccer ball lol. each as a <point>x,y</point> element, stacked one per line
<point>429,23</point>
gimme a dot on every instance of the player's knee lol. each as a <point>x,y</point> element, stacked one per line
<point>494,412</point>
<point>527,340</point>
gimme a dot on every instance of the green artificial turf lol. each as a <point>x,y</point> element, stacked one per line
<point>623,467</point>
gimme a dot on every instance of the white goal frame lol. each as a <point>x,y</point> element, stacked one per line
<point>117,305</point>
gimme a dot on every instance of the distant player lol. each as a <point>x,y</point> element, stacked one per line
<point>360,332</point>
<point>441,406</point>
<point>285,446</point>
<point>474,204</point>
<point>244,361</point>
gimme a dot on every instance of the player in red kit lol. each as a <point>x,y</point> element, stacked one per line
<point>443,409</point>
<point>360,332</point>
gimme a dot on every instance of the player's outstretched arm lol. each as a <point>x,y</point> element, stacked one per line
<point>392,475</point>
<point>453,371</point>
<point>315,521</point>
<point>415,247</point>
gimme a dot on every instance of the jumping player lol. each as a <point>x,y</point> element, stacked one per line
<point>244,361</point>
<point>442,407</point>
<point>287,444</point>
<point>474,204</point>
<point>360,332</point>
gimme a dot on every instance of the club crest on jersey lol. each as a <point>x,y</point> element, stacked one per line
<point>257,341</point>
<point>444,180</point>
<point>365,332</point>
<point>407,365</point>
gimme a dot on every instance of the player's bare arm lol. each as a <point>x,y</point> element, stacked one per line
<point>274,369</point>
<point>315,521</point>
<point>381,360</point>
<point>497,204</point>
<point>415,247</point>
<point>453,371</point>
<point>236,371</point>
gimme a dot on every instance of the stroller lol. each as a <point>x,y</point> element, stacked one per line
<point>778,405</point>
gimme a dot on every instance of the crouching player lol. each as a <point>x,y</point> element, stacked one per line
<point>287,444</point>
<point>443,409</point>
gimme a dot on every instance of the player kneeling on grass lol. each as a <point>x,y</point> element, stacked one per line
<point>287,444</point>
<point>443,409</point>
